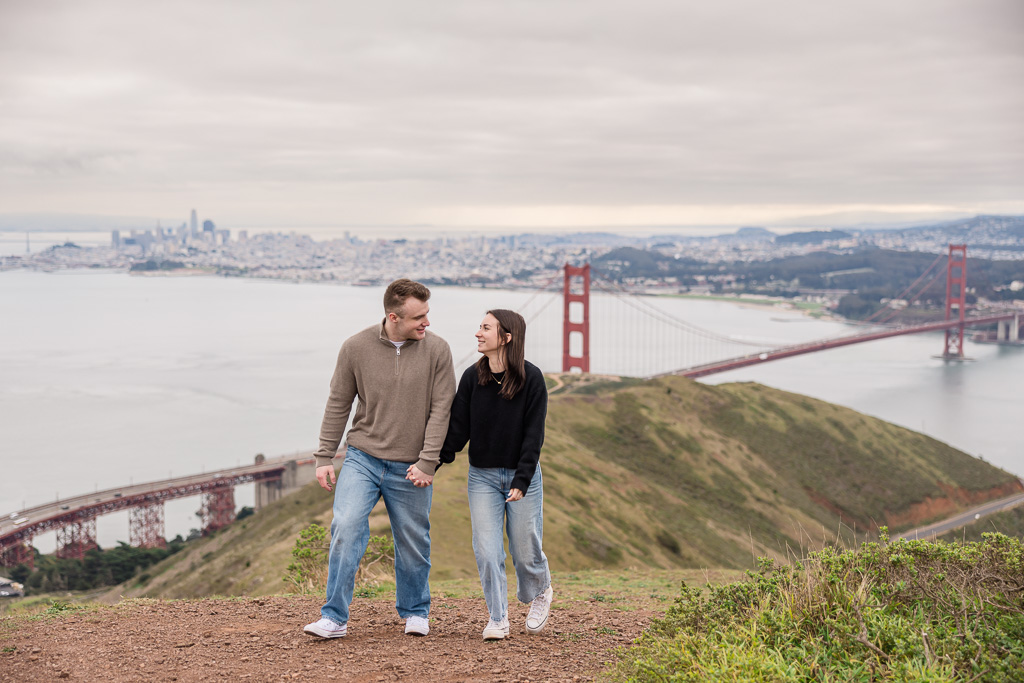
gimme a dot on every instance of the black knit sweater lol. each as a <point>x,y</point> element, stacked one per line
<point>501,432</point>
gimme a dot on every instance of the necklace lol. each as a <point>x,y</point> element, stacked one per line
<point>495,377</point>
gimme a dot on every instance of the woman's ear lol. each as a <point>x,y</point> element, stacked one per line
<point>508,337</point>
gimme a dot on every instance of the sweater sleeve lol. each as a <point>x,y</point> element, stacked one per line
<point>533,431</point>
<point>458,423</point>
<point>441,394</point>
<point>339,405</point>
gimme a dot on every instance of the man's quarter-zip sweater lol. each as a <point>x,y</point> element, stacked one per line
<point>405,395</point>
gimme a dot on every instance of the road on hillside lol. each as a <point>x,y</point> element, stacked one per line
<point>965,518</point>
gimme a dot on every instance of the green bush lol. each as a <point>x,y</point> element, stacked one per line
<point>902,611</point>
<point>307,572</point>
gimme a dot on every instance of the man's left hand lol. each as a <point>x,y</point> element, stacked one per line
<point>418,478</point>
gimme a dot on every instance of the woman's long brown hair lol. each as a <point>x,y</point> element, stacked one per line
<point>514,352</point>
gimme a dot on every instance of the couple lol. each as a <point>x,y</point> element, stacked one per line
<point>401,433</point>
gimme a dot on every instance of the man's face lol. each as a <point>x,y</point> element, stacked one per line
<point>411,320</point>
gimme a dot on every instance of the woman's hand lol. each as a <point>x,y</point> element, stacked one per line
<point>419,479</point>
<point>514,495</point>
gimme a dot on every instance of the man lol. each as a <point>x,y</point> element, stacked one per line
<point>405,382</point>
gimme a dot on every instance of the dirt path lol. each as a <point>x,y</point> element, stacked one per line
<point>261,639</point>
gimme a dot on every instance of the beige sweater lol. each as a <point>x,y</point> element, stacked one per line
<point>405,397</point>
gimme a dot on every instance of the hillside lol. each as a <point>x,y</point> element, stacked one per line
<point>663,473</point>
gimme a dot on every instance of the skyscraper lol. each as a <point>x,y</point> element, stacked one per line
<point>193,224</point>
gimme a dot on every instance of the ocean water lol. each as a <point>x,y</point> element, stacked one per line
<point>108,379</point>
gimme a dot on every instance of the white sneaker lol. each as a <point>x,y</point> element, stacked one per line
<point>540,608</point>
<point>325,628</point>
<point>417,626</point>
<point>496,630</point>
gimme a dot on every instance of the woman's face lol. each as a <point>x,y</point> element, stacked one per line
<point>487,335</point>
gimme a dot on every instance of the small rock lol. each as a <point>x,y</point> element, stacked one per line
<point>36,650</point>
<point>34,658</point>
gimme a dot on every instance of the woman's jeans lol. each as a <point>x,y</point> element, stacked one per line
<point>363,481</point>
<point>523,520</point>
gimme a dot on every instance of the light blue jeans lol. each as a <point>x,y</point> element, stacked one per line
<point>363,481</point>
<point>523,520</point>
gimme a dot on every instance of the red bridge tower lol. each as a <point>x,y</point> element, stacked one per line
<point>956,275</point>
<point>577,292</point>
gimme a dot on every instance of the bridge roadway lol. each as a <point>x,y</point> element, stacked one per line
<point>822,345</point>
<point>17,527</point>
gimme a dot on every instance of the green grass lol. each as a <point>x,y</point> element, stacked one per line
<point>906,611</point>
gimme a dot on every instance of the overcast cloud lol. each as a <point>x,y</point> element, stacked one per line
<point>532,114</point>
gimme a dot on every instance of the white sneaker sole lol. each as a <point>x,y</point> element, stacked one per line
<point>495,635</point>
<point>538,629</point>
<point>314,631</point>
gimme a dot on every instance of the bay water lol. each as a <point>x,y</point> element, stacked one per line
<point>108,379</point>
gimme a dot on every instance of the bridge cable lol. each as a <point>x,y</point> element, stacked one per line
<point>639,304</point>
<point>921,291</point>
<point>520,309</point>
<point>903,294</point>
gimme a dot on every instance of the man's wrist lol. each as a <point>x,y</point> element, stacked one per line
<point>426,466</point>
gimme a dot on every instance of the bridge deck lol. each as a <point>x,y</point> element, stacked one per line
<point>18,526</point>
<point>812,347</point>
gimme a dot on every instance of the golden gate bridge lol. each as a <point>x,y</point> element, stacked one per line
<point>656,342</point>
<point>662,343</point>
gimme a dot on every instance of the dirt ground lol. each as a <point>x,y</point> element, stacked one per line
<point>261,639</point>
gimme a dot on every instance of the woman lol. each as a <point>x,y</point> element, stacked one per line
<point>499,408</point>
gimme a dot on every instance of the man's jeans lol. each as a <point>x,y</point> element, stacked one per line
<point>363,481</point>
<point>524,520</point>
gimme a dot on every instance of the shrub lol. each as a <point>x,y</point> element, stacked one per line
<point>908,610</point>
<point>308,569</point>
<point>307,572</point>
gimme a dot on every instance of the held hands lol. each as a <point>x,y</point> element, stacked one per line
<point>325,473</point>
<point>418,478</point>
<point>514,495</point>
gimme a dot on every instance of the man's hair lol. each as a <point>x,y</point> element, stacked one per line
<point>400,290</point>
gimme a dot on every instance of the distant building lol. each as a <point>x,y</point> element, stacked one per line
<point>208,226</point>
<point>115,239</point>
<point>193,224</point>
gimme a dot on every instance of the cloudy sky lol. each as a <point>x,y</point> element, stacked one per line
<point>553,114</point>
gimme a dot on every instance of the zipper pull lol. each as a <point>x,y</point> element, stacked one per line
<point>398,350</point>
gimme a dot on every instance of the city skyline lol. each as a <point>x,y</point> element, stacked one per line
<point>534,117</point>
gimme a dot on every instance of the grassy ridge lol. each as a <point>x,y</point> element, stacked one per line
<point>664,474</point>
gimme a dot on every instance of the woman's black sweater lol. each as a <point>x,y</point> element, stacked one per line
<point>501,432</point>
